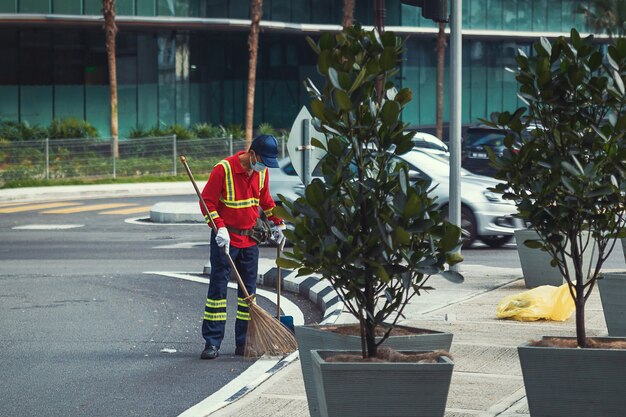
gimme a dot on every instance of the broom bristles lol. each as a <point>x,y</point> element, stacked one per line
<point>267,335</point>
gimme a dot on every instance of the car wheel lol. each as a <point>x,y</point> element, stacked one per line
<point>468,226</point>
<point>496,241</point>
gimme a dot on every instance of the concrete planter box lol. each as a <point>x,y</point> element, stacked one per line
<point>574,382</point>
<point>613,296</point>
<point>536,263</point>
<point>381,389</point>
<point>315,337</point>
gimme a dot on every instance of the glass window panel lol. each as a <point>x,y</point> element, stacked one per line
<point>509,14</point>
<point>146,7</point>
<point>69,101</point>
<point>147,78</point>
<point>321,12</point>
<point>466,13</point>
<point>410,14</point>
<point>495,73</point>
<point>301,11</point>
<point>167,79</point>
<point>509,83</point>
<point>494,14</point>
<point>36,104</point>
<point>34,6</point>
<point>478,80</point>
<point>9,75</point>
<point>98,109</point>
<point>540,13</point>
<point>553,21</point>
<point>524,15</point>
<point>281,10</point>
<point>93,7</point>
<point>478,14</point>
<point>35,74</point>
<point>239,10</point>
<point>67,7</point>
<point>8,6</point>
<point>68,58</point>
<point>166,7</point>
<point>217,8</point>
<point>126,108</point>
<point>125,8</point>
<point>568,15</point>
<point>69,75</point>
<point>97,96</point>
<point>393,13</point>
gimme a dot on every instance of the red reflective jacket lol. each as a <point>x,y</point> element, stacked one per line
<point>233,198</point>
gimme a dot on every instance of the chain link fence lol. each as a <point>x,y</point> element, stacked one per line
<point>52,159</point>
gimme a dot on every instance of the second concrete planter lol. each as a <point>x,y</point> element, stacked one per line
<point>316,337</point>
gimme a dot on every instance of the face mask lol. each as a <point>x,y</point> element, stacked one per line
<point>257,166</point>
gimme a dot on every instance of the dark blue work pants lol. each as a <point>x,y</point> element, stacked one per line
<point>247,262</point>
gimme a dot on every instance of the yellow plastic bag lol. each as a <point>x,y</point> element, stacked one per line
<point>542,303</point>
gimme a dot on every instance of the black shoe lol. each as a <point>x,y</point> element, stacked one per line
<point>240,350</point>
<point>210,352</point>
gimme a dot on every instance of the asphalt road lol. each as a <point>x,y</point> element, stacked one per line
<point>84,331</point>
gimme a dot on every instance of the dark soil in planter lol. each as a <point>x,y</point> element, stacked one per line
<point>391,355</point>
<point>592,343</point>
<point>355,330</point>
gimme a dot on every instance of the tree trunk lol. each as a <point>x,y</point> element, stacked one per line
<point>110,30</point>
<point>348,13</point>
<point>441,61</point>
<point>256,12</point>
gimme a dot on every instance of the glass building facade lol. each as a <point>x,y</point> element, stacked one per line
<point>186,61</point>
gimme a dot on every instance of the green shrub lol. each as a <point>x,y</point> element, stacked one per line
<point>234,130</point>
<point>138,132</point>
<point>16,131</point>
<point>266,129</point>
<point>207,130</point>
<point>180,131</point>
<point>71,128</point>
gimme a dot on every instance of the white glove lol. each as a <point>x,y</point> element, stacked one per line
<point>222,238</point>
<point>277,233</point>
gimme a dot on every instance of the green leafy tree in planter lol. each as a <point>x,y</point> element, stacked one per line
<point>568,177</point>
<point>368,228</point>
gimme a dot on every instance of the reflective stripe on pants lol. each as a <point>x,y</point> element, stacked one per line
<point>213,326</point>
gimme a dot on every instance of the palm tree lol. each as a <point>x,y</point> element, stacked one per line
<point>441,62</point>
<point>348,13</point>
<point>110,30</point>
<point>256,12</point>
<point>605,16</point>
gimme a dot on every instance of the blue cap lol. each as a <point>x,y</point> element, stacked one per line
<point>267,147</point>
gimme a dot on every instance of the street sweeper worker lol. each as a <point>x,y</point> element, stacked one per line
<point>236,188</point>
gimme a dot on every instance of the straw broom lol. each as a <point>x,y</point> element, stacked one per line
<point>266,335</point>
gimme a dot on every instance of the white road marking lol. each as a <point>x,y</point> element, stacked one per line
<point>48,226</point>
<point>183,245</point>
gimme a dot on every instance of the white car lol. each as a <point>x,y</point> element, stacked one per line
<point>485,216</point>
<point>429,143</point>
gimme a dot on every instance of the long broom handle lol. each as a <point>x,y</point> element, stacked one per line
<point>279,249</point>
<point>212,225</point>
<point>278,282</point>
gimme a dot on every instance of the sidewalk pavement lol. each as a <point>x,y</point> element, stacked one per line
<point>70,192</point>
<point>487,379</point>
